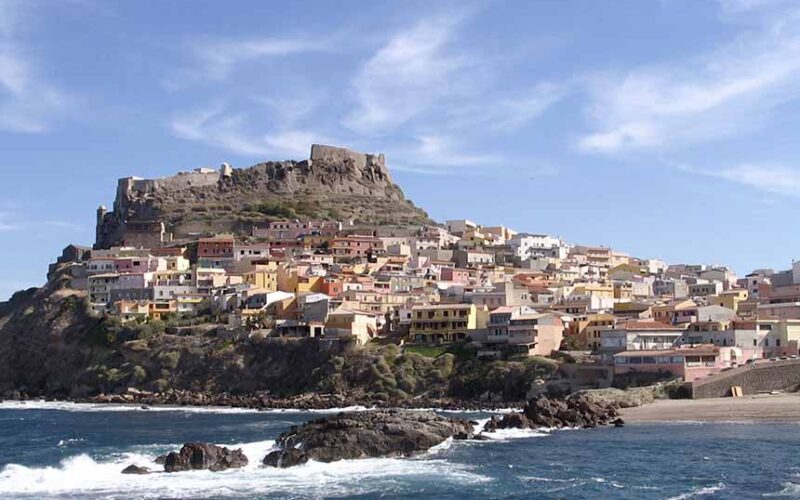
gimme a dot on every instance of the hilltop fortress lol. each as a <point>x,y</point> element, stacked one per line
<point>334,183</point>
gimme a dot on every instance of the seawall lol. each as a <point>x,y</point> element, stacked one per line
<point>753,378</point>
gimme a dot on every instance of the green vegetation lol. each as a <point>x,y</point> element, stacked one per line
<point>424,350</point>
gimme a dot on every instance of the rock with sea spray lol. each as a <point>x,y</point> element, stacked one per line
<point>365,434</point>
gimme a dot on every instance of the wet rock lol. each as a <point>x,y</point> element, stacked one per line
<point>285,458</point>
<point>554,412</point>
<point>193,456</point>
<point>381,433</point>
<point>135,469</point>
<point>161,459</point>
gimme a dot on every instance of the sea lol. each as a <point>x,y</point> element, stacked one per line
<point>66,450</point>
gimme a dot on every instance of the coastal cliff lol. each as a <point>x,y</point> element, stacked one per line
<point>333,184</point>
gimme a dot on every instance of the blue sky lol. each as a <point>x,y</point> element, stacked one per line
<point>661,128</point>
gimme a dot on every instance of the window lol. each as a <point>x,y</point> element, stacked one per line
<point>777,342</point>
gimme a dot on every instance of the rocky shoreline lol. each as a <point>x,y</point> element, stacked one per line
<point>382,433</point>
<point>266,402</point>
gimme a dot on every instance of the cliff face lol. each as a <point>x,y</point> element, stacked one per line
<point>333,184</point>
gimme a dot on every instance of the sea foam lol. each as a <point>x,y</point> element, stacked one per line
<point>85,476</point>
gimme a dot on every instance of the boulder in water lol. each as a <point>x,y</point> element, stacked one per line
<point>285,458</point>
<point>193,456</point>
<point>381,433</point>
<point>573,411</point>
<point>135,469</point>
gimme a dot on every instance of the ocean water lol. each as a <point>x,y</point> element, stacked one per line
<point>61,450</point>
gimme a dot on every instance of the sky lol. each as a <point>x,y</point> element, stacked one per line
<point>662,128</point>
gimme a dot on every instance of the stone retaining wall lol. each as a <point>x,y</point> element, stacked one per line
<point>753,378</point>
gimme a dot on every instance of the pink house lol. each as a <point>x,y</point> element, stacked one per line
<point>455,274</point>
<point>136,264</point>
<point>688,363</point>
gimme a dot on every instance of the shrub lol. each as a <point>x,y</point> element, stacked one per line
<point>169,360</point>
<point>138,374</point>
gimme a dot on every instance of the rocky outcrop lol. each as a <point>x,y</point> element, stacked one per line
<point>334,183</point>
<point>383,433</point>
<point>135,469</point>
<point>196,456</point>
<point>555,413</point>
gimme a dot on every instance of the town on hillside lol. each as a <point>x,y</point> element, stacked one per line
<point>505,294</point>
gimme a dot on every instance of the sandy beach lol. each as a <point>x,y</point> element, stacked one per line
<point>781,407</point>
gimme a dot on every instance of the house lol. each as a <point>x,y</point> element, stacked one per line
<point>460,226</point>
<point>687,363</point>
<point>455,275</point>
<point>99,287</point>
<point>445,322</point>
<point>356,246</point>
<point>472,258</point>
<point>637,335</point>
<point>587,329</point>
<point>290,230</point>
<point>730,298</point>
<point>217,247</point>
<point>262,276</point>
<point>343,322</point>
<point>705,289</point>
<point>521,330</point>
<point>677,311</point>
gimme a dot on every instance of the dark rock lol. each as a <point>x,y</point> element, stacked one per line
<point>574,411</point>
<point>618,423</point>
<point>491,425</point>
<point>381,433</point>
<point>285,458</point>
<point>161,459</point>
<point>135,469</point>
<point>194,456</point>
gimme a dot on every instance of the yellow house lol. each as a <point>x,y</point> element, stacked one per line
<point>445,322</point>
<point>288,280</point>
<point>605,291</point>
<point>730,298</point>
<point>263,276</point>
<point>587,330</point>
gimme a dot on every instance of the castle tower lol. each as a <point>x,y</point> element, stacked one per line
<point>101,214</point>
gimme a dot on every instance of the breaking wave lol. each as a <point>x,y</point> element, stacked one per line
<point>87,477</point>
<point>110,407</point>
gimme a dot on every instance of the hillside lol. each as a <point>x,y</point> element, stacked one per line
<point>333,184</point>
<point>51,346</point>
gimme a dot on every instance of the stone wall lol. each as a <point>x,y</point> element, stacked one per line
<point>754,378</point>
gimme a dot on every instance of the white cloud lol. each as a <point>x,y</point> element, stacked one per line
<point>220,57</point>
<point>214,127</point>
<point>426,84</point>
<point>406,76</point>
<point>505,114</point>
<point>724,93</point>
<point>440,151</point>
<point>770,178</point>
<point>28,103</point>
<point>231,132</point>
